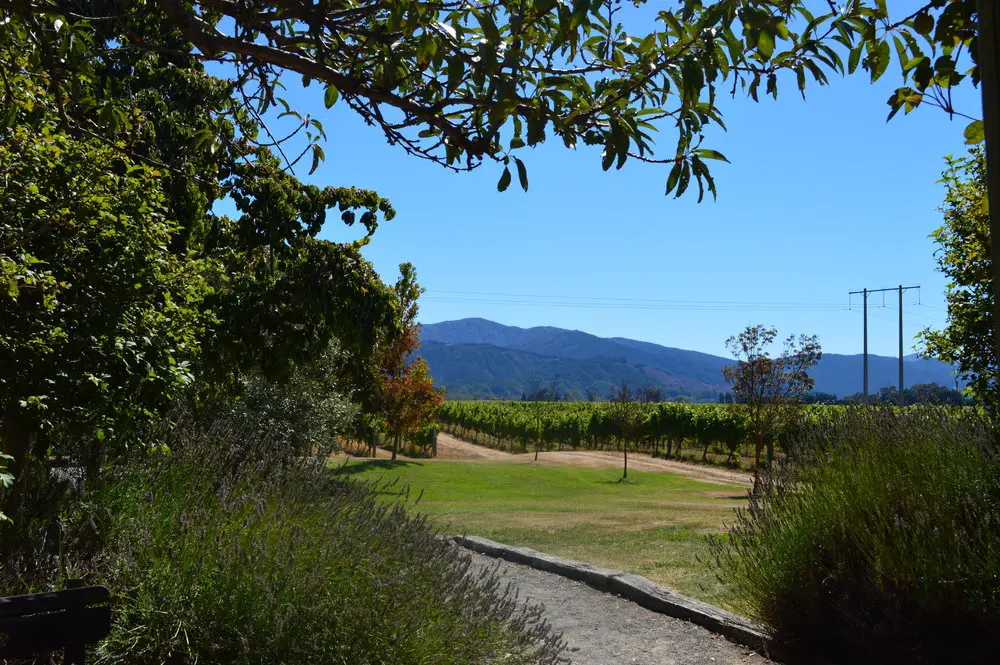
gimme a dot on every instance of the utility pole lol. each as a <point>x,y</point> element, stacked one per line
<point>864,293</point>
<point>902,400</point>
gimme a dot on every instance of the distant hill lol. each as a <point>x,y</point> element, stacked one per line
<point>484,359</point>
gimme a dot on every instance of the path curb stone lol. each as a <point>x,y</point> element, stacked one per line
<point>636,588</point>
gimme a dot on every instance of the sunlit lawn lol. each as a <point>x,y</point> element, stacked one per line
<point>653,524</point>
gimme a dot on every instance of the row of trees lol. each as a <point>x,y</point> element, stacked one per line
<point>657,428</point>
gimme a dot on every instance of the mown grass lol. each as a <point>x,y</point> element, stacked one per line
<point>653,524</point>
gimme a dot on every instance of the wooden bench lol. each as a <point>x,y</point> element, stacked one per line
<point>44,622</point>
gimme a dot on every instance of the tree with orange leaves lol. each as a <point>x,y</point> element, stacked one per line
<point>409,399</point>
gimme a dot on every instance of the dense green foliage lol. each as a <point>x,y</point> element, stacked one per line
<point>877,543</point>
<point>123,287</point>
<point>964,259</point>
<point>101,322</point>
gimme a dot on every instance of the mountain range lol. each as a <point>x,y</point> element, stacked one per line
<point>478,358</point>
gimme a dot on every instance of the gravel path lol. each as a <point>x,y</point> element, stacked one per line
<point>603,629</point>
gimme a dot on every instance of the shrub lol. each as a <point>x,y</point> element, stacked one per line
<point>255,559</point>
<point>878,543</point>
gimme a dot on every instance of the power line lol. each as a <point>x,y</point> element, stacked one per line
<point>617,299</point>
<point>641,305</point>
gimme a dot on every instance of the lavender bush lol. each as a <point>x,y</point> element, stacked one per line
<point>879,542</point>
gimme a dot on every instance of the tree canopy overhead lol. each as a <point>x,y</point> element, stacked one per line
<point>464,83</point>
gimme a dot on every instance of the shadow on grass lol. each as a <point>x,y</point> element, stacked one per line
<point>619,481</point>
<point>354,466</point>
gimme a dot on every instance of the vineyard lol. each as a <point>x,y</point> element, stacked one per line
<point>702,432</point>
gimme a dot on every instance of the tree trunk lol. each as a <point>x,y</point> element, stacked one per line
<point>989,73</point>
<point>625,470</point>
<point>395,446</point>
<point>770,453</point>
<point>536,449</point>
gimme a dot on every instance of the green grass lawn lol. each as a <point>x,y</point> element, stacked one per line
<point>653,524</point>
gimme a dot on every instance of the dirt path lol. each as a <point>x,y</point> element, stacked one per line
<point>603,629</point>
<point>450,447</point>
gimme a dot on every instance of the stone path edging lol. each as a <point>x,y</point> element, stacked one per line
<point>636,588</point>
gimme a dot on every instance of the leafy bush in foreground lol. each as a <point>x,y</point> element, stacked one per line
<point>880,543</point>
<point>213,558</point>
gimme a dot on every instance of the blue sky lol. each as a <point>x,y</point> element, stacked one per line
<point>822,197</point>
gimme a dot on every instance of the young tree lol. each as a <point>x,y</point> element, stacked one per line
<point>964,258</point>
<point>764,386</point>
<point>650,394</point>
<point>625,413</point>
<point>539,409</point>
<point>408,395</point>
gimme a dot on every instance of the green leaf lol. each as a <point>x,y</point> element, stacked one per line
<point>331,96</point>
<point>765,44</point>
<point>456,70</point>
<point>706,153</point>
<point>489,27</point>
<point>318,156</point>
<point>609,156</point>
<point>685,179</point>
<point>901,52</point>
<point>504,182</point>
<point>426,49</point>
<point>975,133</point>
<point>675,173</point>
<point>923,24</point>
<point>522,174</point>
<point>854,59</point>
<point>882,60</point>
